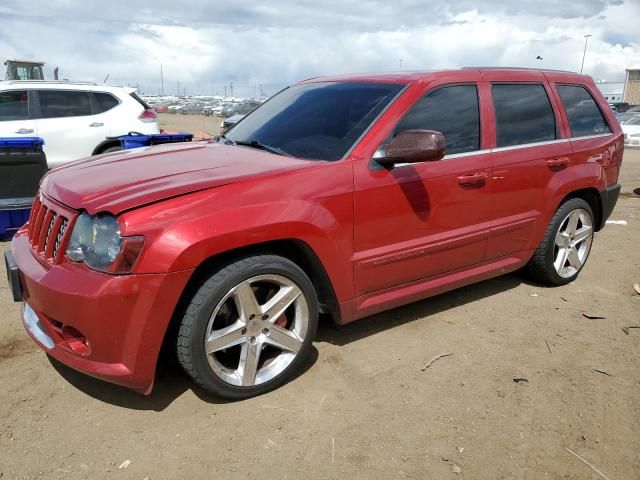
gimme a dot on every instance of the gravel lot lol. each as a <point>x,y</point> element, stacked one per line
<point>190,123</point>
<point>364,408</point>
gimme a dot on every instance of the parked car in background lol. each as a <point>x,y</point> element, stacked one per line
<point>624,117</point>
<point>74,119</point>
<point>631,130</point>
<point>346,196</point>
<point>229,122</point>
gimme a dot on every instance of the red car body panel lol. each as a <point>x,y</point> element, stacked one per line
<point>384,237</point>
<point>124,317</point>
<point>117,182</point>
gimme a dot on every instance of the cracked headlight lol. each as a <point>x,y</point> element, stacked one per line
<point>96,241</point>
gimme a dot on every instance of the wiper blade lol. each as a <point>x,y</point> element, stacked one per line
<point>226,140</point>
<point>261,146</point>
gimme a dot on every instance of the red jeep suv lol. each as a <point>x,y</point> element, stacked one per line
<point>344,195</point>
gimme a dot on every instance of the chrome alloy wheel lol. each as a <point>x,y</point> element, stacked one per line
<point>256,330</point>
<point>573,243</point>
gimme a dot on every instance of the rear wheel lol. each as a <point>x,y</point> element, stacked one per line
<point>114,148</point>
<point>249,327</point>
<point>566,245</point>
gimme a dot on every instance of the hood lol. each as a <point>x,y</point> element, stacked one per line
<point>120,181</point>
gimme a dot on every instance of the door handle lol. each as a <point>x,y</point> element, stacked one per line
<point>96,124</point>
<point>24,131</point>
<point>473,179</point>
<point>561,162</point>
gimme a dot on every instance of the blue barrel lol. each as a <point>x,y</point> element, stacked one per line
<point>22,165</point>
<point>134,140</point>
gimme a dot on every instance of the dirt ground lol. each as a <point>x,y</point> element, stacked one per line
<point>365,407</point>
<point>189,123</point>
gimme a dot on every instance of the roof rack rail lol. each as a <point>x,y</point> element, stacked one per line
<point>57,82</point>
<point>518,68</point>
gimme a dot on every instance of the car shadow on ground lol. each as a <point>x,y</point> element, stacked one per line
<point>171,383</point>
<point>344,334</point>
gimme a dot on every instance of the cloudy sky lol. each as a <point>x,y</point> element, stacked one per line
<point>206,45</point>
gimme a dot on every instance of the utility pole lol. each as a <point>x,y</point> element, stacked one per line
<point>225,91</point>
<point>178,88</point>
<point>584,54</point>
<point>161,81</point>
<point>232,89</point>
<point>400,64</point>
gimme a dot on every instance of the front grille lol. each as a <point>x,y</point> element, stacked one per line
<point>48,229</point>
<point>59,237</point>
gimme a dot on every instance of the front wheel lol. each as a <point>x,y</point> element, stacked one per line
<point>566,245</point>
<point>249,327</point>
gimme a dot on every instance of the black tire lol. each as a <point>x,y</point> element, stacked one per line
<point>541,267</point>
<point>193,325</point>
<point>115,148</point>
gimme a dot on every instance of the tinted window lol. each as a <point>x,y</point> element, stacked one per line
<point>56,104</point>
<point>14,105</point>
<point>104,102</point>
<point>315,120</point>
<point>523,114</point>
<point>584,115</point>
<point>450,110</point>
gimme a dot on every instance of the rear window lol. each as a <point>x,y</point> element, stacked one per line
<point>585,118</point>
<point>60,104</point>
<point>523,114</point>
<point>14,105</point>
<point>139,100</point>
<point>104,102</point>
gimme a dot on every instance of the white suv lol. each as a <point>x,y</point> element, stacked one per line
<point>75,120</point>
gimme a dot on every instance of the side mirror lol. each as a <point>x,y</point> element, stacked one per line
<point>414,146</point>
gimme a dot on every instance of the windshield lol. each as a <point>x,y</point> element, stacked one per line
<point>319,121</point>
<point>633,120</point>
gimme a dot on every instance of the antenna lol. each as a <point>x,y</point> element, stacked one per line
<point>105,78</point>
<point>161,81</point>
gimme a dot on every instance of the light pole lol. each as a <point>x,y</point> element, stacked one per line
<point>586,40</point>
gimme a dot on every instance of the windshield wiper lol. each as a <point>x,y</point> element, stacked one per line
<point>261,146</point>
<point>226,140</point>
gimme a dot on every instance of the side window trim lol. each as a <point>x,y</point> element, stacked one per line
<point>529,145</point>
<point>564,108</point>
<point>94,104</point>
<point>35,115</point>
<point>556,120</point>
<point>32,104</point>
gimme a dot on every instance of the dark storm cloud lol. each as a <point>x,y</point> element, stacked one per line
<point>367,15</point>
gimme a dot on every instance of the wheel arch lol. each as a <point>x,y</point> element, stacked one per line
<point>108,143</point>
<point>592,196</point>
<point>293,249</point>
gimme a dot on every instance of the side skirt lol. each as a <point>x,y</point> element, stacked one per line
<point>389,298</point>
